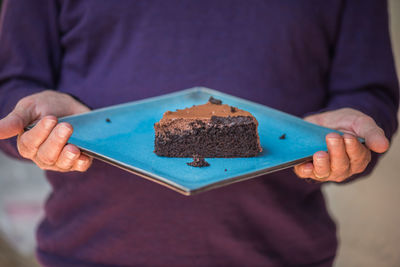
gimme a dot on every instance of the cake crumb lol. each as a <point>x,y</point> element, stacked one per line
<point>215,101</point>
<point>198,162</point>
<point>283,136</point>
<point>108,120</point>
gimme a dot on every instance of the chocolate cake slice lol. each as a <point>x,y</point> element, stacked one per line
<point>211,130</point>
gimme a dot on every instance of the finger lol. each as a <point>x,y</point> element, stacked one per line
<point>17,120</point>
<point>83,163</point>
<point>339,161</point>
<point>321,164</point>
<point>304,170</point>
<point>374,136</point>
<point>68,156</point>
<point>29,142</point>
<point>359,155</point>
<point>50,150</point>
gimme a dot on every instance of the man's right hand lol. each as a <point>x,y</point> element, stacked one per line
<point>46,143</point>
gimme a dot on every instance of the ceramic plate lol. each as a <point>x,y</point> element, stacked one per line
<point>123,135</point>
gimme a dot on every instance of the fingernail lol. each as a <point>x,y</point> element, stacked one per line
<point>81,163</point>
<point>333,141</point>
<point>348,141</point>
<point>70,155</point>
<point>49,124</point>
<point>63,131</point>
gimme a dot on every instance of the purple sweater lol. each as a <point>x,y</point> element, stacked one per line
<point>298,56</point>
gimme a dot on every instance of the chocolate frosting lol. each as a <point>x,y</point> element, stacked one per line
<point>204,112</point>
<point>185,119</point>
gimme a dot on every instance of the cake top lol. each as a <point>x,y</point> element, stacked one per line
<point>212,108</point>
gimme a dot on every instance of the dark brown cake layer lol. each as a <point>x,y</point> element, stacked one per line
<point>224,137</point>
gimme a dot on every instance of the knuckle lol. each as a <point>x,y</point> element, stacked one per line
<point>342,175</point>
<point>341,178</point>
<point>24,143</point>
<point>342,172</point>
<point>83,165</point>
<point>79,169</point>
<point>338,177</point>
<point>363,119</point>
<point>359,168</point>
<point>24,102</point>
<point>24,151</point>
<point>41,165</point>
<point>357,161</point>
<point>46,158</point>
<point>359,164</point>
<point>25,154</point>
<point>343,167</point>
<point>301,175</point>
<point>297,170</point>
<point>63,164</point>
<point>63,168</point>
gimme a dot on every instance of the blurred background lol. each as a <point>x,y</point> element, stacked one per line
<point>366,211</point>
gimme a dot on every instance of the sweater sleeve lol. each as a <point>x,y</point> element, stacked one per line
<point>29,53</point>
<point>362,74</point>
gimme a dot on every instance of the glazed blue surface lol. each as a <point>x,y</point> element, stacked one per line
<point>127,140</point>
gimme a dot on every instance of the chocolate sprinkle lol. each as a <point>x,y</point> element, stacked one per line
<point>198,162</point>
<point>225,169</point>
<point>283,136</point>
<point>108,120</point>
<point>233,109</point>
<point>212,100</point>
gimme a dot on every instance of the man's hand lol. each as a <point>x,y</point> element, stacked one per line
<point>346,155</point>
<point>46,143</point>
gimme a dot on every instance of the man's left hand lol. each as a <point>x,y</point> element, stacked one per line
<point>346,155</point>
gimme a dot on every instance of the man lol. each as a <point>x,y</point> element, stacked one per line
<point>330,61</point>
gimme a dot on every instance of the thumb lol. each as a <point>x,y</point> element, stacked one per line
<point>78,108</point>
<point>73,106</point>
<point>374,136</point>
<point>15,122</point>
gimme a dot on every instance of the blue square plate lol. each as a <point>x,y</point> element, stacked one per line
<point>123,135</point>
